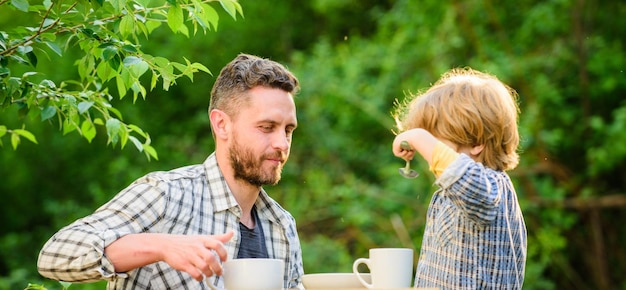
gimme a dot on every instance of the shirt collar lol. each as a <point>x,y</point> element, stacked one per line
<point>223,198</point>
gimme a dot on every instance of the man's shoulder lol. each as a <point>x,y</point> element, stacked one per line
<point>184,172</point>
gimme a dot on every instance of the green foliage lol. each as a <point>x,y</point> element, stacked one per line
<point>354,60</point>
<point>108,34</point>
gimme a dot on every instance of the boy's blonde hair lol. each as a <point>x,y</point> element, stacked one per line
<point>469,108</point>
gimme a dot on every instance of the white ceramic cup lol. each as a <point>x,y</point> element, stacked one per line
<point>252,274</point>
<point>389,268</point>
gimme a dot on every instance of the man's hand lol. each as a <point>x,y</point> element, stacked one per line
<point>197,255</point>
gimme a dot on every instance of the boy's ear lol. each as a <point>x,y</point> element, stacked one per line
<point>477,149</point>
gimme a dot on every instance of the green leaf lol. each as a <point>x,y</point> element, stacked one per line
<point>118,5</point>
<point>109,52</point>
<point>123,135</point>
<point>32,58</point>
<point>151,25</point>
<point>232,7</point>
<point>136,142</point>
<point>88,130</point>
<point>15,140</point>
<point>130,60</point>
<point>113,129</point>
<point>129,48</point>
<point>3,130</point>
<point>84,106</point>
<point>209,15</point>
<point>4,71</point>
<point>175,18</point>
<point>127,25</point>
<point>48,112</point>
<point>21,5</point>
<point>150,151</point>
<point>121,88</point>
<point>104,71</point>
<point>201,67</point>
<point>68,126</point>
<point>136,66</point>
<point>26,134</point>
<point>179,66</point>
<point>138,130</point>
<point>54,47</point>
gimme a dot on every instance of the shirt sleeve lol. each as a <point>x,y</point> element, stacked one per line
<point>473,188</point>
<point>442,157</point>
<point>76,252</point>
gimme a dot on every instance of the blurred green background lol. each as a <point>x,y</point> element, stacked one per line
<point>354,58</point>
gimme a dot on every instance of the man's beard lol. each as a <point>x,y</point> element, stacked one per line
<point>249,168</point>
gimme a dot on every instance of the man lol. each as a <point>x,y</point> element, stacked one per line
<point>172,230</point>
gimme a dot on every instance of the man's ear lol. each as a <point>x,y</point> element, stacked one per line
<point>477,149</point>
<point>220,123</point>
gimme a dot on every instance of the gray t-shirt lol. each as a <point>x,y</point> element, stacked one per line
<point>252,240</point>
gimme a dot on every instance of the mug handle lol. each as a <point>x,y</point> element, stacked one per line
<point>209,282</point>
<point>355,267</point>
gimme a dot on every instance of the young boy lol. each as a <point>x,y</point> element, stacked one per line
<point>465,127</point>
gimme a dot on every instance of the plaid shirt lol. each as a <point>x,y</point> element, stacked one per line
<point>192,200</point>
<point>475,236</point>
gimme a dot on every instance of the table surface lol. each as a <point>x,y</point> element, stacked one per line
<point>419,288</point>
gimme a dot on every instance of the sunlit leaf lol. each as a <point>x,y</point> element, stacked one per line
<point>67,285</point>
<point>26,134</point>
<point>151,25</point>
<point>121,88</point>
<point>54,47</point>
<point>68,126</point>
<point>21,5</point>
<point>84,106</point>
<point>88,130</point>
<point>118,5</point>
<point>210,15</point>
<point>136,142</point>
<point>104,71</point>
<point>138,130</point>
<point>232,7</point>
<point>175,18</point>
<point>15,140</point>
<point>127,25</point>
<point>113,127</point>
<point>201,67</point>
<point>150,151</point>
<point>137,66</point>
<point>48,21</point>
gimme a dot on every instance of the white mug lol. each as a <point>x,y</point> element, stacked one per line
<point>389,268</point>
<point>252,274</point>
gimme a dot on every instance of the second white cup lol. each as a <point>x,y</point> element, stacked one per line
<point>389,268</point>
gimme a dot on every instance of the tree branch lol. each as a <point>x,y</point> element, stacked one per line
<point>41,30</point>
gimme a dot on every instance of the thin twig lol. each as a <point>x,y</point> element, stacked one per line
<point>41,30</point>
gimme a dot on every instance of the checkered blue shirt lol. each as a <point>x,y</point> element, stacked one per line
<point>193,200</point>
<point>475,236</point>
